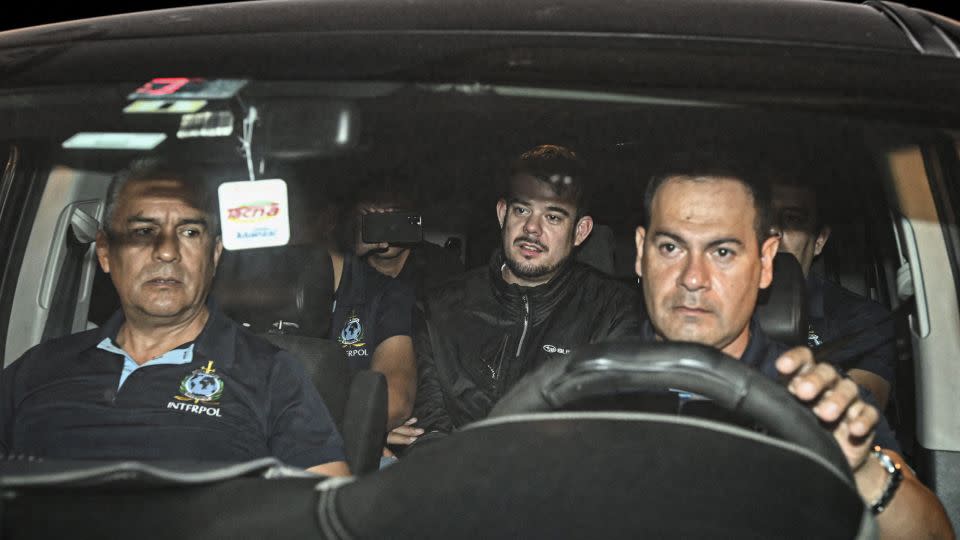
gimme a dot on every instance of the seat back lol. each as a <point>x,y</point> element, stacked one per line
<point>290,287</point>
<point>285,294</point>
<point>598,249</point>
<point>357,402</point>
<point>782,307</point>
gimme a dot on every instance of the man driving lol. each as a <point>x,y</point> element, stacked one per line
<point>703,253</point>
<point>169,376</point>
<point>484,330</point>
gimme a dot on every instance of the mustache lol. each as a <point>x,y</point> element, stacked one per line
<point>529,240</point>
<point>684,299</point>
<point>162,272</point>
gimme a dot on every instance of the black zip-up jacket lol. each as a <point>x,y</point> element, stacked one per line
<point>478,335</point>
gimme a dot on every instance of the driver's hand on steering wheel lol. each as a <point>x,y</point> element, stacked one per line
<point>834,399</point>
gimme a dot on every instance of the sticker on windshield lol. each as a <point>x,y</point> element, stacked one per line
<point>165,106</point>
<point>254,214</point>
<point>206,124</point>
<point>114,141</point>
<point>188,88</point>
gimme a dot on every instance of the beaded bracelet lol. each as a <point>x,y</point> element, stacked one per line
<point>894,477</point>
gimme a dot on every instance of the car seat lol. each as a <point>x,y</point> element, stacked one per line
<point>782,307</point>
<point>285,294</point>
<point>598,249</point>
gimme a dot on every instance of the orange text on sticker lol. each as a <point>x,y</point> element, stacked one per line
<point>253,212</point>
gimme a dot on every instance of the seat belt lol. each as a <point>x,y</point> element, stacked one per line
<point>60,317</point>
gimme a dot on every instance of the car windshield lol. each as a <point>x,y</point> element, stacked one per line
<point>331,158</point>
<point>443,152</point>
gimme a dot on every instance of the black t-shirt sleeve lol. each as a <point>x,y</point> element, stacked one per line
<point>300,430</point>
<point>858,333</point>
<point>395,311</point>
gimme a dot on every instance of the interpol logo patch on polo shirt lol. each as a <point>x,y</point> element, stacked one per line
<point>201,386</point>
<point>352,338</point>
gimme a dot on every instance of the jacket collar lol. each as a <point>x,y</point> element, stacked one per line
<point>544,297</point>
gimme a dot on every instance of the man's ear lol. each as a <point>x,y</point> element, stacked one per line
<point>103,250</point>
<point>821,240</point>
<point>501,211</point>
<point>583,230</point>
<point>767,252</point>
<point>217,250</point>
<point>638,238</point>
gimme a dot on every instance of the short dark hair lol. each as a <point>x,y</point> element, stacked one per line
<point>160,169</point>
<point>560,168</point>
<point>759,192</point>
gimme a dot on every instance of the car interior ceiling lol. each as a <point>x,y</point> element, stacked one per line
<point>449,147</point>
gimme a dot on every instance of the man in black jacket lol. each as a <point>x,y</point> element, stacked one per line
<point>484,330</point>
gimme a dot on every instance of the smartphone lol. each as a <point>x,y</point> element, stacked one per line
<point>392,228</point>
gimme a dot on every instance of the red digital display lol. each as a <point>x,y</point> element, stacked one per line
<point>188,88</point>
<point>163,86</point>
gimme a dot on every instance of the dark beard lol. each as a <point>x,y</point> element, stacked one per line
<point>529,272</point>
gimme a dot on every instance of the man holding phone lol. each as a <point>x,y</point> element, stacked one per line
<point>372,322</point>
<point>390,236</point>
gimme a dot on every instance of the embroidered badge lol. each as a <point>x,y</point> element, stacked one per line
<point>201,385</point>
<point>352,333</point>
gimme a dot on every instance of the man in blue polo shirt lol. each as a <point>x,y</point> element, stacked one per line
<point>848,330</point>
<point>169,377</point>
<point>704,252</point>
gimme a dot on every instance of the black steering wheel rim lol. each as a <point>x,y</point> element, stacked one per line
<point>611,369</point>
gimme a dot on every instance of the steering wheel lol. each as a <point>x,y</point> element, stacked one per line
<point>612,369</point>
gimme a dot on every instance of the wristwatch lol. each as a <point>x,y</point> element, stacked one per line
<point>894,477</point>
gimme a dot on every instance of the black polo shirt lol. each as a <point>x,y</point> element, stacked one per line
<point>761,354</point>
<point>370,307</point>
<point>866,328</point>
<point>238,399</point>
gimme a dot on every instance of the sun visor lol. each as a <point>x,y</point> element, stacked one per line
<point>296,128</point>
<point>254,214</point>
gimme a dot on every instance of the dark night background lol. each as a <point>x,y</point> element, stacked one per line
<point>77,10</point>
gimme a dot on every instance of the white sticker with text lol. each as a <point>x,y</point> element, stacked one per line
<point>254,214</point>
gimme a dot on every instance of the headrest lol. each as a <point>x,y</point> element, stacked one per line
<point>597,249</point>
<point>289,286</point>
<point>782,307</point>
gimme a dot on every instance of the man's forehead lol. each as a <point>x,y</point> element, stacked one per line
<point>140,193</point>
<point>703,205</point>
<point>525,187</point>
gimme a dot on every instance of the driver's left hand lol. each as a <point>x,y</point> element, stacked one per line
<point>834,399</point>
